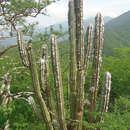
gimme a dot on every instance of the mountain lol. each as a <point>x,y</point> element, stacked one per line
<point>92,21</point>
<point>9,41</point>
<point>117,33</point>
<point>86,22</point>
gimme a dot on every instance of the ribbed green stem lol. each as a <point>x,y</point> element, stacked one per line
<point>97,60</point>
<point>45,83</point>
<point>22,50</point>
<point>105,95</point>
<point>78,5</point>
<point>72,60</point>
<point>88,49</point>
<point>58,83</point>
<point>36,86</point>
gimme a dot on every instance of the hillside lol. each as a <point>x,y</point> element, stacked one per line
<point>117,33</point>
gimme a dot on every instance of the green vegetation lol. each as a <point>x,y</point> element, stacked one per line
<point>117,33</point>
<point>45,85</point>
<point>23,117</point>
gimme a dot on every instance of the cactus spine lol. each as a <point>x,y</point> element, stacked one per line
<point>58,83</point>
<point>97,59</point>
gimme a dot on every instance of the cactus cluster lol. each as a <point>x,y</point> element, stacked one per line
<point>79,56</point>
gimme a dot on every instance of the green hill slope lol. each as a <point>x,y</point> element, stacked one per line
<point>117,33</point>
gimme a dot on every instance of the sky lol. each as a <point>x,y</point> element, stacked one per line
<point>58,12</point>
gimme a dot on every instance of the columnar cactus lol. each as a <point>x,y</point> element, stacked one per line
<point>43,72</point>
<point>72,59</point>
<point>88,49</point>
<point>28,60</point>
<point>78,66</point>
<point>36,86</point>
<point>58,83</point>
<point>77,72</point>
<point>105,94</point>
<point>97,60</point>
<point>22,50</point>
<point>45,85</point>
<point>79,100</point>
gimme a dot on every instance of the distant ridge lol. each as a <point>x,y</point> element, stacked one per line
<point>86,22</point>
<point>117,33</point>
<point>122,20</point>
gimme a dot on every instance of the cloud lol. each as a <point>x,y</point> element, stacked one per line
<point>111,8</point>
<point>58,11</point>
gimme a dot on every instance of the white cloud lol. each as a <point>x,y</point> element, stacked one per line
<point>58,11</point>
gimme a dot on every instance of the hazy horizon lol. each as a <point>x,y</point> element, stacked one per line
<point>58,12</point>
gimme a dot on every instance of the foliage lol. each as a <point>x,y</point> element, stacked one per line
<point>119,66</point>
<point>117,33</point>
<point>14,12</point>
<point>119,111</point>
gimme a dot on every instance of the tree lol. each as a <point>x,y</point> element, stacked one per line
<point>14,12</point>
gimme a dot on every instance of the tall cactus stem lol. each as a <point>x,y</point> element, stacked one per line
<point>79,100</point>
<point>105,95</point>
<point>97,60</point>
<point>58,83</point>
<point>72,59</point>
<point>36,86</point>
<point>88,49</point>
<point>45,82</point>
<point>22,50</point>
